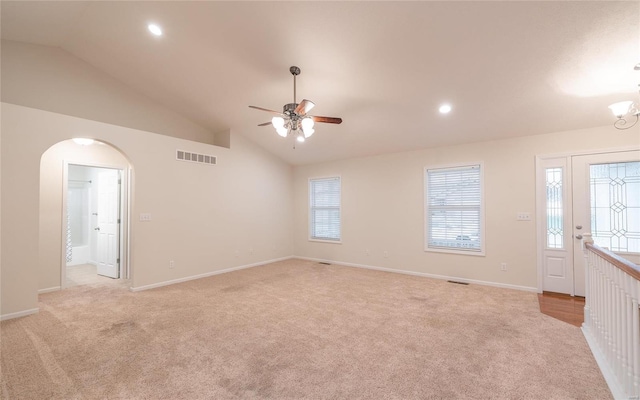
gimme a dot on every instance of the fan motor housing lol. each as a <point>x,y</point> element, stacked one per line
<point>288,109</point>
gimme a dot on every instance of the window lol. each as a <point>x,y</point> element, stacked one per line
<point>555,220</point>
<point>454,209</point>
<point>324,209</point>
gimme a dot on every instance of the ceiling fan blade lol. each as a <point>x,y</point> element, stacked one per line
<point>265,124</point>
<point>328,120</point>
<point>267,110</point>
<point>304,107</point>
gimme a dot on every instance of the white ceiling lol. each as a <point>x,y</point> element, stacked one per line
<point>508,68</point>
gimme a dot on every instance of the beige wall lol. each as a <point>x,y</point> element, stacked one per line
<point>382,206</point>
<point>51,172</point>
<point>49,78</point>
<point>205,218</point>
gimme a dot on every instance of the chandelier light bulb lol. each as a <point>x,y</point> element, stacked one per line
<point>282,131</point>
<point>621,108</point>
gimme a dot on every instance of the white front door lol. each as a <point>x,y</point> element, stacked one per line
<point>606,206</point>
<point>580,197</point>
<point>108,223</point>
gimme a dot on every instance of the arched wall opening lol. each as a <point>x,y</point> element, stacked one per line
<point>55,176</point>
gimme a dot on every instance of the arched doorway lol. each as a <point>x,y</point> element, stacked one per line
<point>84,215</point>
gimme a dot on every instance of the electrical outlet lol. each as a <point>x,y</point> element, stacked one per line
<point>251,250</point>
<point>385,254</point>
<point>503,266</point>
<point>172,264</point>
<point>237,253</point>
<point>367,252</point>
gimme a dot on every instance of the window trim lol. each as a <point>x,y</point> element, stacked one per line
<point>425,193</point>
<point>310,238</point>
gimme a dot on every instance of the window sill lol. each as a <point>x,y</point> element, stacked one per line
<point>325,241</point>
<point>453,251</point>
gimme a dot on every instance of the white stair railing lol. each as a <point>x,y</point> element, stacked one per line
<point>612,319</point>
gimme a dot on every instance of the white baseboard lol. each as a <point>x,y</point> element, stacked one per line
<point>19,314</point>
<point>605,369</point>
<point>47,290</point>
<point>426,275</point>
<point>205,275</point>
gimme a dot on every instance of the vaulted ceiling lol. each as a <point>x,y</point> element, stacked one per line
<point>508,68</point>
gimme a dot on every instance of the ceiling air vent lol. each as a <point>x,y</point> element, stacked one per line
<point>182,155</point>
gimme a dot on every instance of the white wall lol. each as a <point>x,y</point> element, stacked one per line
<point>383,210</point>
<point>49,78</point>
<point>201,215</point>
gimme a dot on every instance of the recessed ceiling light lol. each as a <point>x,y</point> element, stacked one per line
<point>155,29</point>
<point>445,109</point>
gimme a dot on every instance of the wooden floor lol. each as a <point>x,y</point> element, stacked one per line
<point>563,307</point>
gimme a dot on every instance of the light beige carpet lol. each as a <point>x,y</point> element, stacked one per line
<point>293,330</point>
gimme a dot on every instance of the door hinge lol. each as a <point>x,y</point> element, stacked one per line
<point>118,261</point>
<point>118,220</point>
<point>119,181</point>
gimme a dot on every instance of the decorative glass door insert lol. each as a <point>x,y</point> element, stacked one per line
<point>615,206</point>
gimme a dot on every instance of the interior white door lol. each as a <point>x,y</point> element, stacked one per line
<point>554,199</point>
<point>606,205</point>
<point>108,223</point>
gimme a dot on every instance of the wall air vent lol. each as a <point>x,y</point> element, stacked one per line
<point>182,155</point>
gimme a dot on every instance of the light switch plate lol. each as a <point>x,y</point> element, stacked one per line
<point>145,217</point>
<point>523,216</point>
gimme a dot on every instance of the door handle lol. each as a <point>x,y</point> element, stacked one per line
<point>98,228</point>
<point>579,237</point>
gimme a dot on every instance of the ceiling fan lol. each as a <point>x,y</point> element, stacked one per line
<point>293,120</point>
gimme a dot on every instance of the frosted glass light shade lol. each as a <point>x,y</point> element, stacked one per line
<point>300,138</point>
<point>621,108</point>
<point>282,131</point>
<point>277,122</point>
<point>307,123</point>
<point>307,132</point>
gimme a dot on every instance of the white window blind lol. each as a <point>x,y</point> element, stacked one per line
<point>453,199</point>
<point>324,208</point>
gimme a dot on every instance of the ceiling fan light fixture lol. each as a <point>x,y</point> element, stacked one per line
<point>293,120</point>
